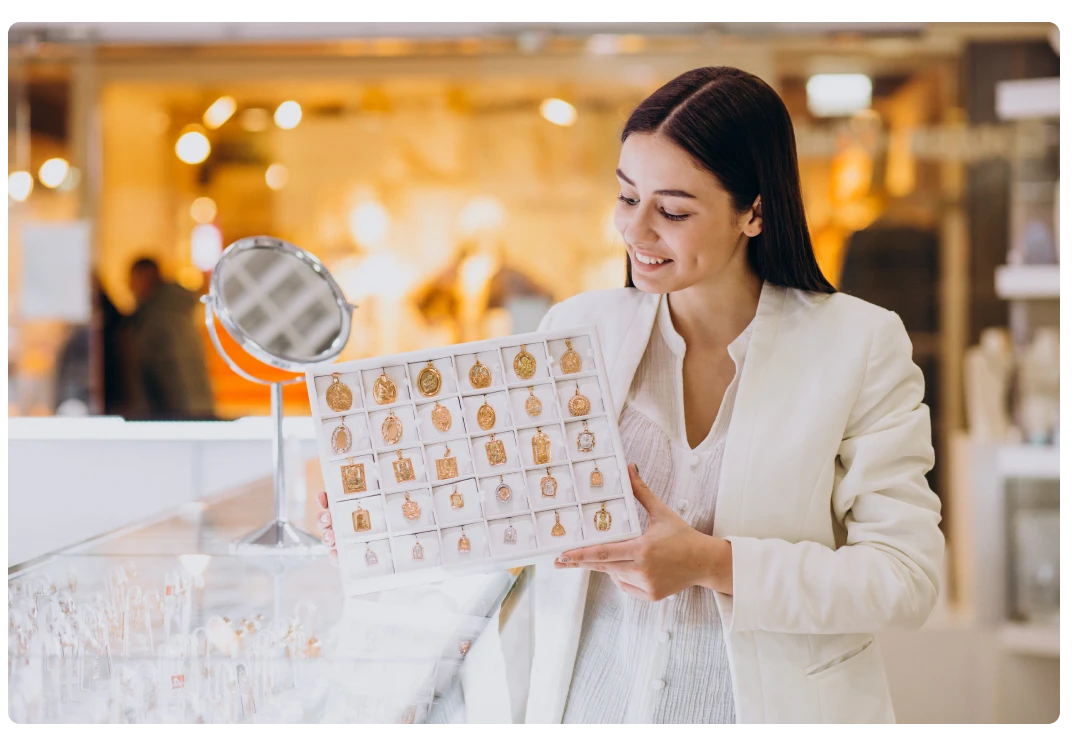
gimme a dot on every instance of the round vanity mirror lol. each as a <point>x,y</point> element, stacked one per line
<point>281,305</point>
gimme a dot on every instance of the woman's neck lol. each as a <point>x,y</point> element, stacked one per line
<point>713,313</point>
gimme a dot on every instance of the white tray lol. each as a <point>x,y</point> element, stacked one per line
<point>482,518</point>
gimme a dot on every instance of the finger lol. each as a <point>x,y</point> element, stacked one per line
<point>329,537</point>
<point>324,520</point>
<point>321,499</point>
<point>633,591</point>
<point>651,502</point>
<point>334,556</point>
<point>623,569</point>
<point>626,550</point>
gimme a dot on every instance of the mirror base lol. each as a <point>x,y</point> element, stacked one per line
<point>280,537</point>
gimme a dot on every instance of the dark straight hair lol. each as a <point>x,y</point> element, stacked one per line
<point>736,127</point>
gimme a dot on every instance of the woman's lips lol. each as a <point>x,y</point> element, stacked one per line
<point>648,266</point>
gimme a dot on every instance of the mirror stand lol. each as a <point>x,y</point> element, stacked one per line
<point>279,535</point>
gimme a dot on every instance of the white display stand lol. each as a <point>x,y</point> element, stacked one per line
<point>483,518</point>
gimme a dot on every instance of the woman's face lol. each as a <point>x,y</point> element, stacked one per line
<point>678,224</point>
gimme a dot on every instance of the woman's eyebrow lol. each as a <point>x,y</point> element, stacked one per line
<point>660,192</point>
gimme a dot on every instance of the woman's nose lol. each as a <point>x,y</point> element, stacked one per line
<point>634,228</point>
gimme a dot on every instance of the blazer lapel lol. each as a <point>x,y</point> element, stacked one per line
<point>625,346</point>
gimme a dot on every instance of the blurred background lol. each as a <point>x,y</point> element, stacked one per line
<point>457,179</point>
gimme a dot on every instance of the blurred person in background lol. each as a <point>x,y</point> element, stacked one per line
<point>167,368</point>
<point>778,443</point>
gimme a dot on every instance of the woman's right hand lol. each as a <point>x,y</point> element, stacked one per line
<point>324,522</point>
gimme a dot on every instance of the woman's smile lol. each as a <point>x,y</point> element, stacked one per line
<point>648,262</point>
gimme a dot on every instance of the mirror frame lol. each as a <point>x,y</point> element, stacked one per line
<point>221,310</point>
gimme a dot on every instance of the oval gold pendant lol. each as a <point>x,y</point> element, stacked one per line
<point>442,418</point>
<point>429,380</point>
<point>579,404</point>
<point>533,404</point>
<point>341,439</point>
<point>480,376</point>
<point>524,364</point>
<point>557,530</point>
<point>338,396</point>
<point>504,492</point>
<point>384,390</point>
<point>391,429</point>
<point>570,360</point>
<point>411,510</point>
<point>487,417</point>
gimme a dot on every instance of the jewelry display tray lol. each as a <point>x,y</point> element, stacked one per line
<point>482,518</point>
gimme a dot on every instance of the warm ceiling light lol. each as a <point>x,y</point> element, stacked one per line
<point>481,214</point>
<point>71,180</point>
<point>220,111</point>
<point>53,172</point>
<point>203,210</point>
<point>20,184</point>
<point>368,223</point>
<point>558,111</point>
<point>834,95</point>
<point>276,176</point>
<point>254,119</point>
<point>193,147</point>
<point>288,115</point>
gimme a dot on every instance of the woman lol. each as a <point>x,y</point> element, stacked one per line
<point>778,439</point>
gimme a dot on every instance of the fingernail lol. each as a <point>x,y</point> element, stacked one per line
<point>328,535</point>
<point>636,468</point>
<point>562,560</point>
<point>325,518</point>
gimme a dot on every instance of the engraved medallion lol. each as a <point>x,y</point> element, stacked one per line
<point>480,376</point>
<point>524,364</point>
<point>557,530</point>
<point>549,485</point>
<point>391,429</point>
<point>510,535</point>
<point>533,405</point>
<point>540,447</point>
<point>570,360</point>
<point>487,417</point>
<point>403,468</point>
<point>442,417</point>
<point>429,380</point>
<point>418,552</point>
<point>579,404</point>
<point>596,477</point>
<point>603,519</point>
<point>338,396</point>
<point>384,390</point>
<point>455,498</point>
<point>495,452</point>
<point>585,440</point>
<point>362,522</point>
<point>370,557</point>
<point>411,510</point>
<point>447,468</point>
<point>341,438</point>
<point>504,492</point>
<point>464,541</point>
<point>353,477</point>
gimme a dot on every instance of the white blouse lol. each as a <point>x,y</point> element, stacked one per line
<point>666,661</point>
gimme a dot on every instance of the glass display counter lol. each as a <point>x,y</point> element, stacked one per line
<point>162,622</point>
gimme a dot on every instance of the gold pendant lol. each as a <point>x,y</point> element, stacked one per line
<point>549,485</point>
<point>391,429</point>
<point>596,477</point>
<point>540,446</point>
<point>464,647</point>
<point>418,552</point>
<point>403,468</point>
<point>411,510</point>
<point>338,395</point>
<point>464,541</point>
<point>341,438</point>
<point>480,376</point>
<point>442,417</point>
<point>585,440</point>
<point>504,492</point>
<point>407,717</point>
<point>510,535</point>
<point>579,404</point>
<point>362,522</point>
<point>487,417</point>
<point>455,498</point>
<point>429,380</point>
<point>495,451</point>
<point>557,530</point>
<point>524,364</point>
<point>370,556</point>
<point>533,404</point>
<point>384,390</point>
<point>353,477</point>
<point>447,468</point>
<point>570,360</point>
<point>603,519</point>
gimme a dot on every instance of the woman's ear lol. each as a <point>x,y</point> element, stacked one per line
<point>755,222</point>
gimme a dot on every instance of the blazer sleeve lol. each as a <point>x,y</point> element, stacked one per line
<point>887,572</point>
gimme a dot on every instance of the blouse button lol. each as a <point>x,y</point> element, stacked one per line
<point>658,684</point>
<point>664,636</point>
<point>694,461</point>
<point>683,504</point>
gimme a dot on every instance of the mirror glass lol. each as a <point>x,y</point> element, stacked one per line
<point>281,300</point>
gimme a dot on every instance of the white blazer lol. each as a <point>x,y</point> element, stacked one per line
<point>822,495</point>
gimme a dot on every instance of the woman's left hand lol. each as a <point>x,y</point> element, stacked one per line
<point>669,557</point>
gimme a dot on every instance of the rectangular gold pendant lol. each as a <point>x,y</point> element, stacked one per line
<point>353,477</point>
<point>404,470</point>
<point>447,468</point>
<point>495,452</point>
<point>362,521</point>
<point>540,444</point>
